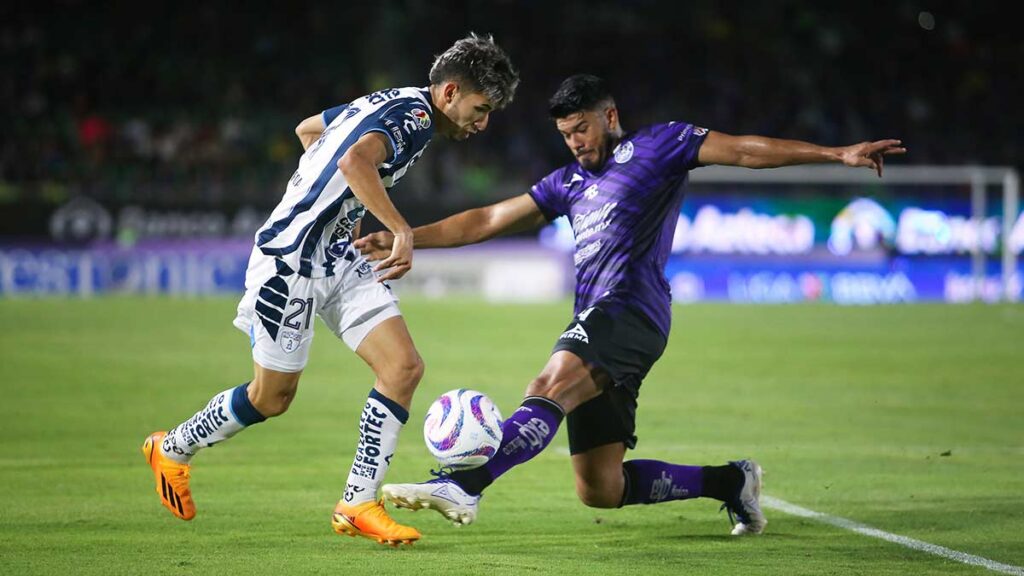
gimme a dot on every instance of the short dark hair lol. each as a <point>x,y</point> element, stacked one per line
<point>579,93</point>
<point>478,63</point>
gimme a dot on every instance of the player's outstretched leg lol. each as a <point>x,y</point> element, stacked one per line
<point>737,485</point>
<point>456,495</point>
<point>565,382</point>
<point>389,350</point>
<point>169,453</point>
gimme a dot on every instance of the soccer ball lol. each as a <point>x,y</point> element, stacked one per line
<point>462,429</point>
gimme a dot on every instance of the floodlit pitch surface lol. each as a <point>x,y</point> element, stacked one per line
<point>907,419</point>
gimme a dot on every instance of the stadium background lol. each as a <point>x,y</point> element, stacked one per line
<point>151,139</point>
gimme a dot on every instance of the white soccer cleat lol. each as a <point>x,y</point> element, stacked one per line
<point>745,509</point>
<point>441,494</point>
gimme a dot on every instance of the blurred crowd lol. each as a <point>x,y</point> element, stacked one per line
<point>194,105</point>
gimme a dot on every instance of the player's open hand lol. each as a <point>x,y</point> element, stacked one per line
<point>375,246</point>
<point>399,261</point>
<point>871,154</point>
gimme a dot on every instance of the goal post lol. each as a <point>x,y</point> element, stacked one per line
<point>977,178</point>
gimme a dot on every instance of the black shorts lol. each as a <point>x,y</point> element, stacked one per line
<point>625,344</point>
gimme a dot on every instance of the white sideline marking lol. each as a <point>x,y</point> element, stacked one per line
<point>794,510</point>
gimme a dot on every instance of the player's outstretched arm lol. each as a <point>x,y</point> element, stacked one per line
<point>309,130</point>
<point>469,227</point>
<point>763,152</point>
<point>359,166</point>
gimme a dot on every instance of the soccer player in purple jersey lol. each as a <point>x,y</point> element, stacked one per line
<point>622,195</point>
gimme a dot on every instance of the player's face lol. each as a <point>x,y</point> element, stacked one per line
<point>588,134</point>
<point>468,112</point>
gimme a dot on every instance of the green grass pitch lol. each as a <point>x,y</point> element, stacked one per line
<point>906,418</point>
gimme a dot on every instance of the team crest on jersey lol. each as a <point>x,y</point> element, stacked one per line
<point>290,340</point>
<point>364,269</point>
<point>624,152</point>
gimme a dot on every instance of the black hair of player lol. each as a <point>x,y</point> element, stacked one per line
<point>579,93</point>
<point>477,63</point>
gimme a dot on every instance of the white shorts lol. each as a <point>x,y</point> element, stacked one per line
<point>278,307</point>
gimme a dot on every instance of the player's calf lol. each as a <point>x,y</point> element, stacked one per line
<point>271,392</point>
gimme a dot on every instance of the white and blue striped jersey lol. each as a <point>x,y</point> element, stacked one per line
<point>311,228</point>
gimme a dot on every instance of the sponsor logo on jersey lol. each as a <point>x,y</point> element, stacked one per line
<point>698,131</point>
<point>591,192</point>
<point>592,217</point>
<point>396,136</point>
<point>576,333</point>
<point>593,222</point>
<point>583,254</point>
<point>624,152</point>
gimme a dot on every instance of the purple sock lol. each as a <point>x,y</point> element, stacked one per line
<point>523,435</point>
<point>654,481</point>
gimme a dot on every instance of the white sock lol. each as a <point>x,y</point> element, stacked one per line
<point>226,415</point>
<point>379,426</point>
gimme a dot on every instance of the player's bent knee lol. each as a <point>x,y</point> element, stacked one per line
<point>543,385</point>
<point>406,373</point>
<point>568,390</point>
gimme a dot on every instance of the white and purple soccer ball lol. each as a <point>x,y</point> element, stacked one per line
<point>462,429</point>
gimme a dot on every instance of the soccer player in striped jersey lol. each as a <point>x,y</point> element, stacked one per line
<point>622,195</point>
<point>303,263</point>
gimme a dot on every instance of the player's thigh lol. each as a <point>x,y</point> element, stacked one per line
<point>277,312</point>
<point>356,304</point>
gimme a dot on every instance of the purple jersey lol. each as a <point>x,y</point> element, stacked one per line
<point>624,216</point>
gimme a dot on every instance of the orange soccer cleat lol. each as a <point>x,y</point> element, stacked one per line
<point>171,478</point>
<point>370,520</point>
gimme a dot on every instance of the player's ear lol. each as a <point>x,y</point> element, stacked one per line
<point>451,89</point>
<point>611,116</point>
